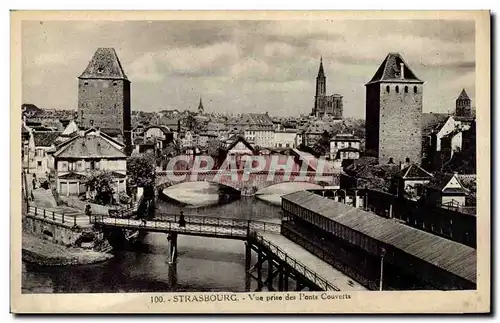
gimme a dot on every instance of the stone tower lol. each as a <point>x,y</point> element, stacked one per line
<point>463,107</point>
<point>394,112</point>
<point>320,86</point>
<point>104,96</point>
<point>330,105</point>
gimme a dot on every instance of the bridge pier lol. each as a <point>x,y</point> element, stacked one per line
<point>172,259</point>
<point>275,268</point>
<point>248,262</point>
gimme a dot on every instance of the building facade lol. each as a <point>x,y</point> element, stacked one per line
<point>286,138</point>
<point>90,151</point>
<point>104,96</point>
<point>348,143</point>
<point>326,105</point>
<point>394,112</point>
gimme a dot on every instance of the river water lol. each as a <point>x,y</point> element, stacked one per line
<point>204,264</point>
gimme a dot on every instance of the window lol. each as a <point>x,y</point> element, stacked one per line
<point>86,83</point>
<point>406,88</point>
<point>388,89</point>
<point>39,163</point>
<point>115,83</point>
<point>415,90</point>
<point>397,88</point>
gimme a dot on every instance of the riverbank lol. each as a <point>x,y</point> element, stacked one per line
<point>45,253</point>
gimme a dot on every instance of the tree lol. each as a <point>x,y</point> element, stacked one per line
<point>322,147</point>
<point>102,184</point>
<point>141,170</point>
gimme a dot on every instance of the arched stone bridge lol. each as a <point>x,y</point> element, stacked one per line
<point>248,183</point>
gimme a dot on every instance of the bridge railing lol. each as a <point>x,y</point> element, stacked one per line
<point>253,225</point>
<point>195,223</point>
<point>68,219</point>
<point>171,226</point>
<point>295,264</point>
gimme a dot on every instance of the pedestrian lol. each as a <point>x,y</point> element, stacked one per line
<point>34,186</point>
<point>143,222</point>
<point>182,221</point>
<point>88,211</point>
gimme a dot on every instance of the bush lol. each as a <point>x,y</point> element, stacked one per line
<point>123,198</point>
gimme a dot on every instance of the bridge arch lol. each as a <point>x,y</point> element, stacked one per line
<point>230,185</point>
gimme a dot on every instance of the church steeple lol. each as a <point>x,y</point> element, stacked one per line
<point>201,110</point>
<point>321,80</point>
<point>321,72</point>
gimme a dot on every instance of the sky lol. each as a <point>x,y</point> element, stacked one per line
<point>247,66</point>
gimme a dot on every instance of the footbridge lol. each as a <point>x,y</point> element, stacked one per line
<point>277,263</point>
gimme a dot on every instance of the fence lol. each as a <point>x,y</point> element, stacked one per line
<point>295,264</point>
<point>55,217</point>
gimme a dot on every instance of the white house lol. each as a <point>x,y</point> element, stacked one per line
<point>286,138</point>
<point>347,144</point>
<point>89,151</point>
<point>38,159</point>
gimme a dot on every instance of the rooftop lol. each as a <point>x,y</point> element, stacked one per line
<point>449,255</point>
<point>104,64</point>
<point>390,71</point>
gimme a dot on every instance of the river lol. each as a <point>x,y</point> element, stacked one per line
<point>204,264</point>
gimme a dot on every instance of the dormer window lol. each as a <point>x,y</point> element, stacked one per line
<point>100,69</point>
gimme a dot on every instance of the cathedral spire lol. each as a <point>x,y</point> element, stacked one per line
<point>321,72</point>
<point>200,107</point>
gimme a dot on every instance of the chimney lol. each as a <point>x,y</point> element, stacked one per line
<point>402,70</point>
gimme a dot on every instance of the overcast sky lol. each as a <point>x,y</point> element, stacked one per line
<point>248,66</point>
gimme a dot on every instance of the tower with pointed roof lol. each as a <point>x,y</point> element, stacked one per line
<point>463,107</point>
<point>201,110</point>
<point>330,105</point>
<point>394,112</point>
<point>104,96</point>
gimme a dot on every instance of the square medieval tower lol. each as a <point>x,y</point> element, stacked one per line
<point>394,112</point>
<point>104,96</point>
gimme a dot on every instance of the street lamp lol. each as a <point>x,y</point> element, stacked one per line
<point>382,252</point>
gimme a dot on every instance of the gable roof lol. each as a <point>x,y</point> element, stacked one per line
<point>414,172</point>
<point>390,69</point>
<point>104,64</point>
<point>70,129</point>
<point>238,139</point>
<point>89,145</point>
<point>432,121</point>
<point>463,96</point>
<point>45,138</point>
<point>440,181</point>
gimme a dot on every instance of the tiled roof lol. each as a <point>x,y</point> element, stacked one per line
<point>448,255</point>
<point>414,172</point>
<point>72,175</point>
<point>104,64</point>
<point>463,95</point>
<point>45,138</point>
<point>390,70</point>
<point>90,145</point>
<point>432,121</point>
